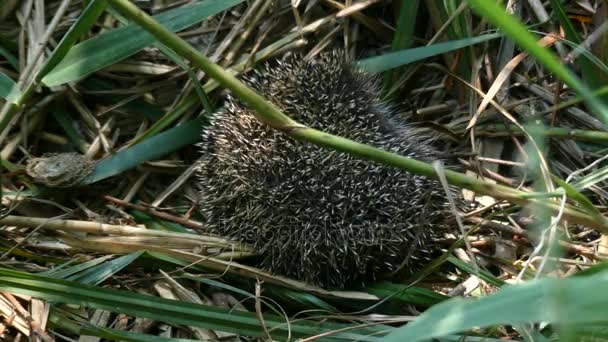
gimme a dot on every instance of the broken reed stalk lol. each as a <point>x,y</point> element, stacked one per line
<point>102,228</point>
<point>272,116</point>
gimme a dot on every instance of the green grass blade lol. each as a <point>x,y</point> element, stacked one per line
<point>87,19</point>
<point>395,59</point>
<point>515,30</point>
<point>96,275</point>
<point>483,274</point>
<point>409,294</point>
<point>560,301</point>
<point>592,74</point>
<point>591,179</point>
<point>59,322</point>
<point>137,106</point>
<point>562,17</point>
<point>175,58</point>
<point>404,35</point>
<point>306,301</point>
<point>574,194</point>
<point>10,58</point>
<point>8,88</point>
<point>115,45</point>
<point>461,28</point>
<point>150,149</point>
<point>170,311</point>
<point>63,272</point>
<point>220,285</point>
<point>167,119</point>
<point>93,271</point>
<point>163,258</point>
<point>156,224</point>
<point>66,122</point>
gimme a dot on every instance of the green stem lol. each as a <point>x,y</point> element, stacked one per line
<point>496,131</point>
<point>271,115</point>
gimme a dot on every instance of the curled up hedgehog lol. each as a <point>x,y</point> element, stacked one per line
<point>314,214</point>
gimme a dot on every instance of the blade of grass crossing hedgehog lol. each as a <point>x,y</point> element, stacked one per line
<point>153,148</point>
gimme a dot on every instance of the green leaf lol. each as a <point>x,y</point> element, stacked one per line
<point>63,272</point>
<point>406,24</point>
<point>591,73</point>
<point>58,322</point>
<point>67,124</point>
<point>175,58</point>
<point>515,30</point>
<point>94,271</point>
<point>166,142</point>
<point>409,294</point>
<point>404,35</point>
<point>591,179</point>
<point>8,88</point>
<point>160,257</point>
<point>395,59</point>
<point>220,285</point>
<point>577,300</point>
<point>168,118</point>
<point>85,21</point>
<point>102,90</point>
<point>10,58</point>
<point>96,275</point>
<point>115,45</point>
<point>483,274</point>
<point>175,312</point>
<point>156,224</point>
<point>578,197</point>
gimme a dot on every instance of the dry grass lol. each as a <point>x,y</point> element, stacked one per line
<point>138,97</point>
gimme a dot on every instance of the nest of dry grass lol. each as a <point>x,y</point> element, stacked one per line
<point>144,197</point>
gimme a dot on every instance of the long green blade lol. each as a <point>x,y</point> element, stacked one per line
<point>106,49</point>
<point>161,144</point>
<point>575,300</point>
<point>395,59</point>
<point>164,310</point>
<point>8,88</point>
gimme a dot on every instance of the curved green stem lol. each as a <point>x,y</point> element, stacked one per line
<point>272,116</point>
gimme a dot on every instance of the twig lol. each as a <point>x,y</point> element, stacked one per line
<point>258,309</point>
<point>185,222</point>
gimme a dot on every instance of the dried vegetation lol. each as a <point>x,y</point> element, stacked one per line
<point>134,112</point>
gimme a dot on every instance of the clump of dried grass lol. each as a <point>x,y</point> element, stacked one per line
<point>122,104</point>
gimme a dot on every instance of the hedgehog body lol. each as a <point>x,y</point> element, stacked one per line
<point>314,214</point>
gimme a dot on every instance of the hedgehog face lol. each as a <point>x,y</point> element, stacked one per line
<point>314,214</point>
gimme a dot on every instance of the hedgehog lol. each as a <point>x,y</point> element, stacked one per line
<point>313,214</point>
